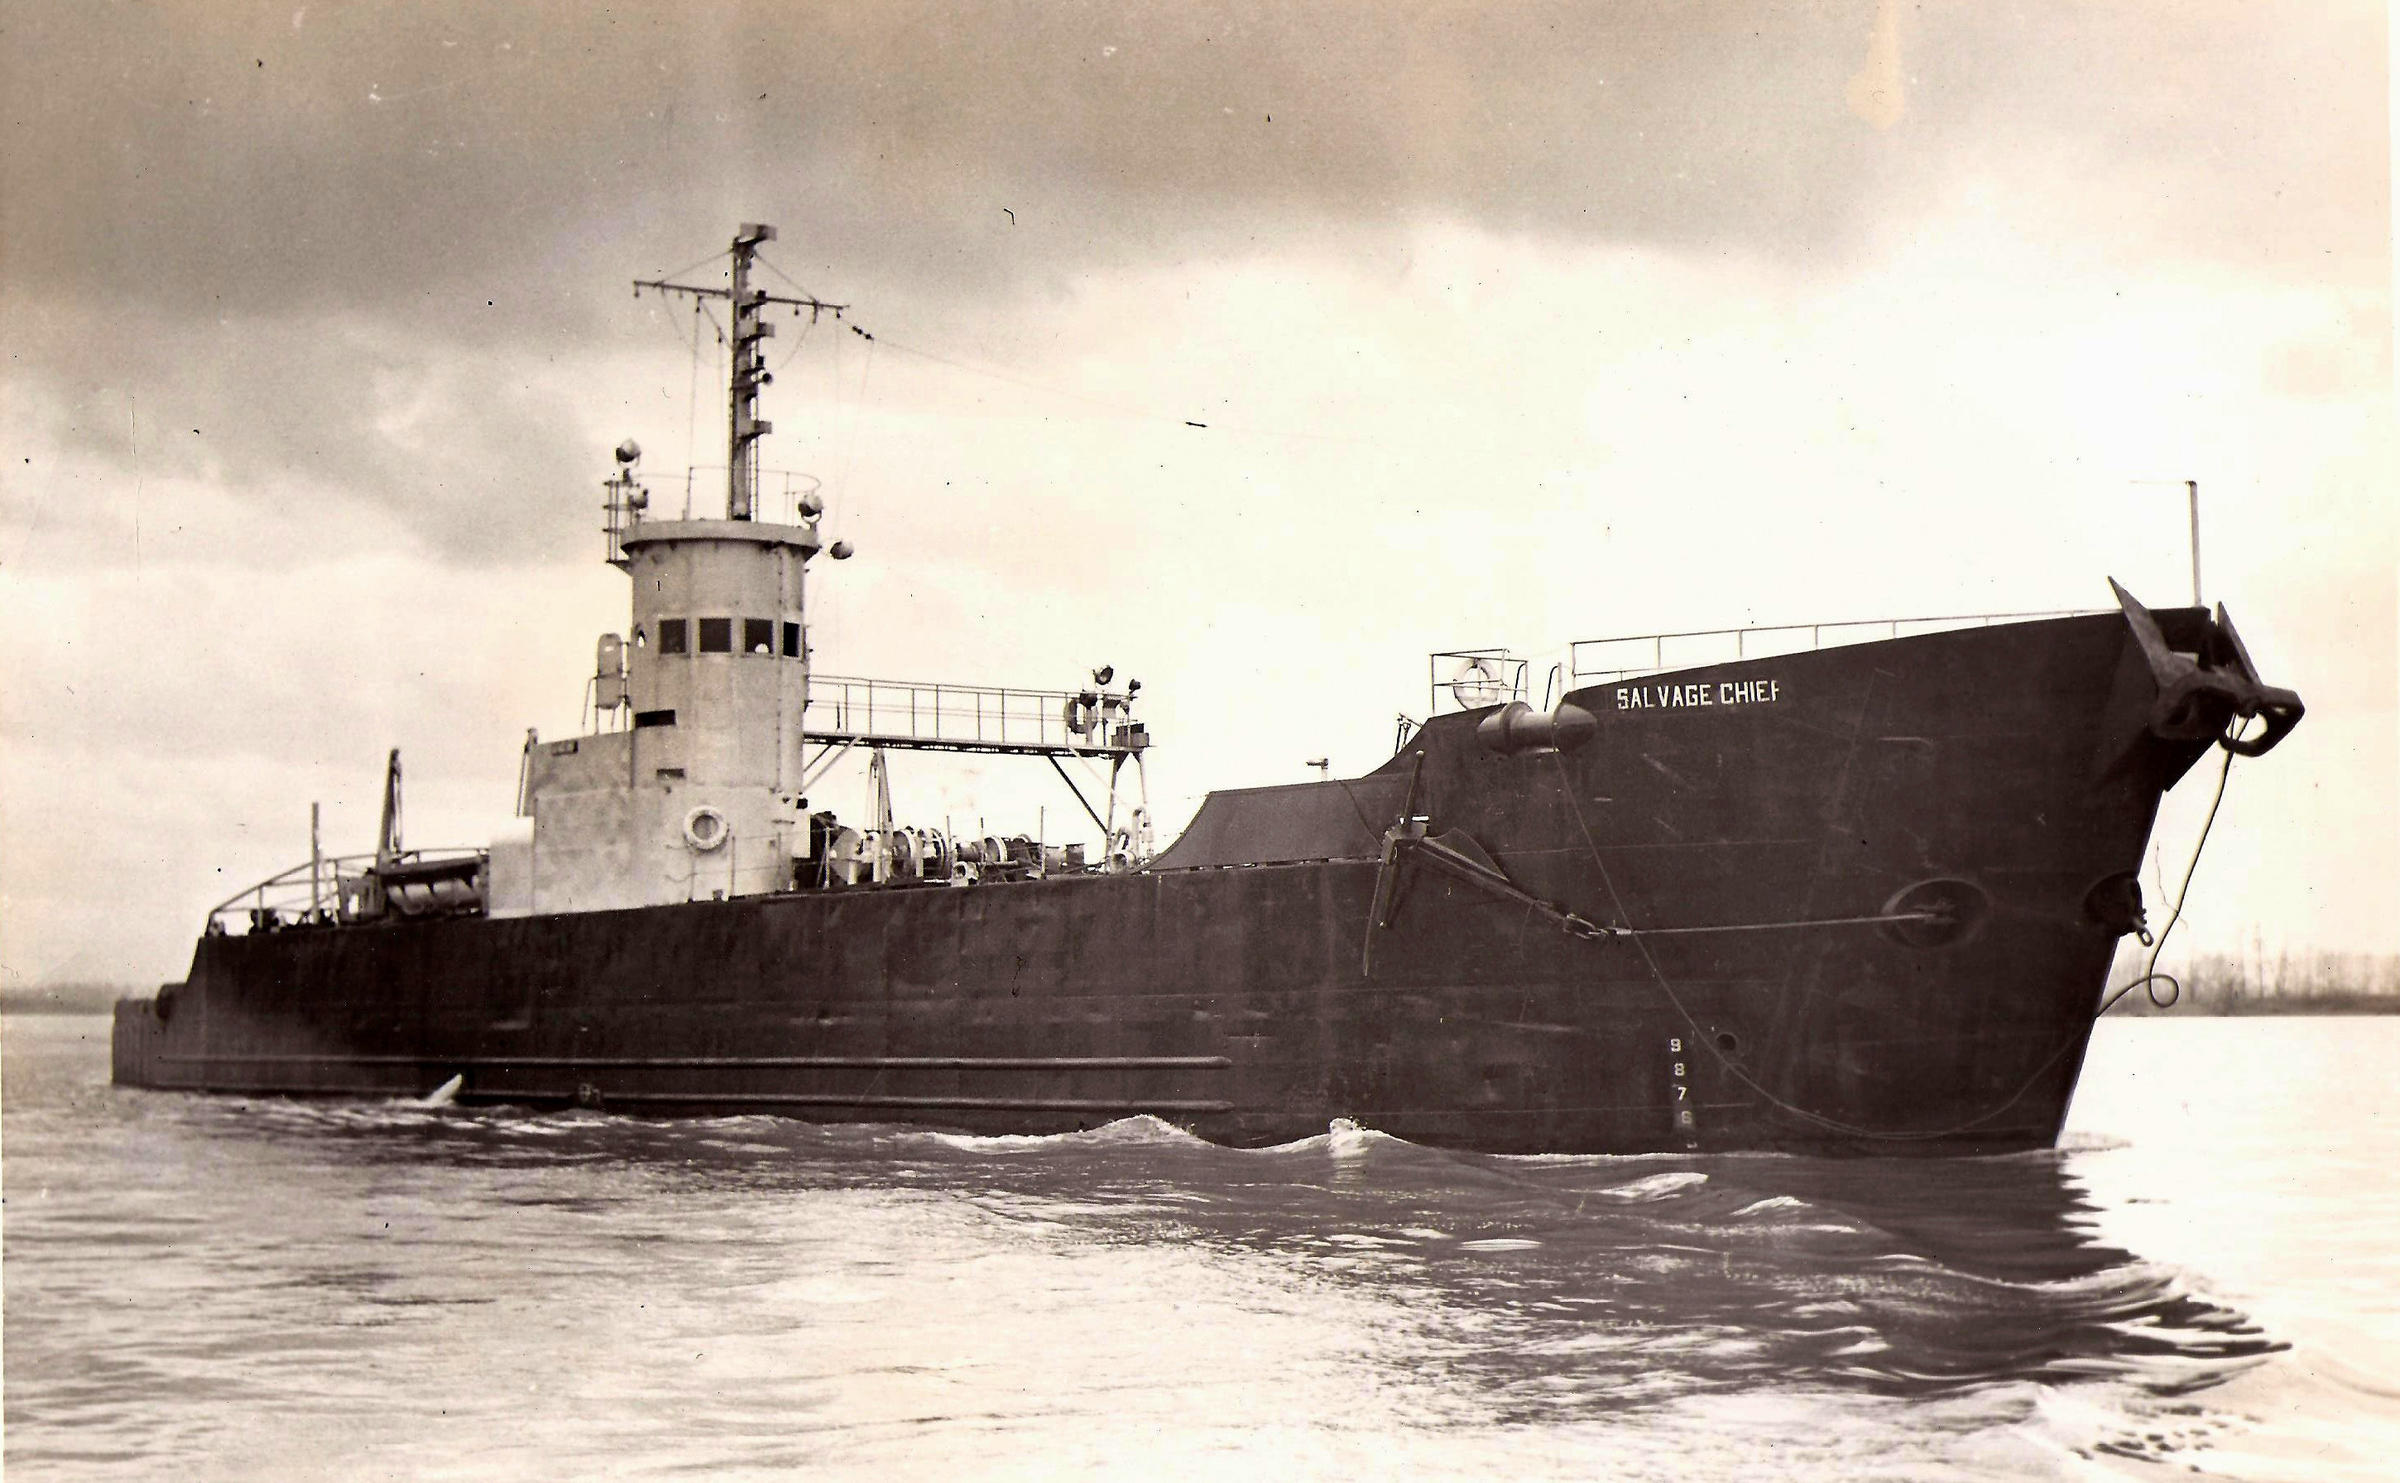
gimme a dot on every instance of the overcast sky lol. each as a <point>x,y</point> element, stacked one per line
<point>1508,325</point>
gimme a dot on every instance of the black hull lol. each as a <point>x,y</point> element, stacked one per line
<point>1239,1000</point>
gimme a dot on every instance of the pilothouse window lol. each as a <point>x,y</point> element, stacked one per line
<point>758,636</point>
<point>716,635</point>
<point>671,635</point>
<point>791,641</point>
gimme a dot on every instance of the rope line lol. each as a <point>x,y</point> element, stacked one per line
<point>1365,827</point>
<point>1577,925</point>
<point>2151,978</point>
<point>1701,1035</point>
<point>1893,916</point>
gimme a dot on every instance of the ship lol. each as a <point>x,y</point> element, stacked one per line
<point>1844,889</point>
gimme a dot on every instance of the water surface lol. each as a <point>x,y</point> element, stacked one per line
<point>210,1288</point>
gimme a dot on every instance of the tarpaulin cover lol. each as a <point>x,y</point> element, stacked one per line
<point>1342,819</point>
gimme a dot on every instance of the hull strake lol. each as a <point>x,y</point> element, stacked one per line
<point>1713,810</point>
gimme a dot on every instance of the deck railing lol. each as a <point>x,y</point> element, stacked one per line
<point>1598,661</point>
<point>1465,679</point>
<point>313,892</point>
<point>775,494</point>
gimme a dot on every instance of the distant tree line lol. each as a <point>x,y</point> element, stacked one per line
<point>66,998</point>
<point>2304,981</point>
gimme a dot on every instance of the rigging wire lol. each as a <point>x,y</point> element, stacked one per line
<point>701,313</point>
<point>699,263</point>
<point>807,326</point>
<point>858,412</point>
<point>1119,408</point>
<point>1122,409</point>
<point>691,425</point>
<point>761,260</point>
<point>829,604</point>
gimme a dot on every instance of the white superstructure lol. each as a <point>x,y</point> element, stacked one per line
<point>690,784</point>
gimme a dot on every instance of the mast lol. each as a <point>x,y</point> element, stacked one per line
<point>744,427</point>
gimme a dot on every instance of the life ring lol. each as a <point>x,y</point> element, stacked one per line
<point>705,829</point>
<point>1083,713</point>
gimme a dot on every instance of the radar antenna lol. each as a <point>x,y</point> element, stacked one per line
<point>745,426</point>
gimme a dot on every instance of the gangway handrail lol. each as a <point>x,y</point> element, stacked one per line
<point>980,717</point>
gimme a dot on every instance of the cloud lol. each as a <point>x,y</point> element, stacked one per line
<point>479,165</point>
<point>482,457</point>
<point>376,245</point>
